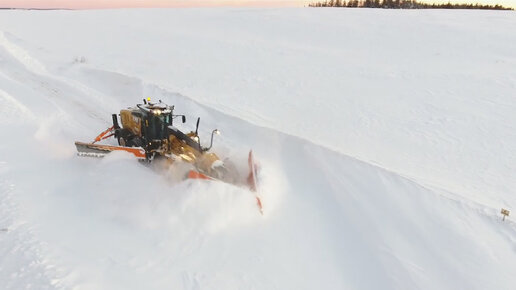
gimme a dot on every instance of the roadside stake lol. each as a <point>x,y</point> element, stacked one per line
<point>505,213</point>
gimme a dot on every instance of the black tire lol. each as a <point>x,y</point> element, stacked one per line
<point>124,138</point>
<point>137,141</point>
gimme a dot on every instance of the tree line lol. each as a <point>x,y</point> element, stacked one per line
<point>403,4</point>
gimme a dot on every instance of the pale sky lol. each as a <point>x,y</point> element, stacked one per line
<point>78,4</point>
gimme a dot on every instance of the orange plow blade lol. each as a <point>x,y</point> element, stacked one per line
<point>252,179</point>
<point>192,174</point>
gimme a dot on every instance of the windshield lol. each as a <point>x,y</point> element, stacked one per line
<point>157,125</point>
<point>166,119</point>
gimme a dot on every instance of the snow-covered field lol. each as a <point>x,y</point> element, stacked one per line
<point>386,138</point>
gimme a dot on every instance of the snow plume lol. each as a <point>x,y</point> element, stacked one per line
<point>138,196</point>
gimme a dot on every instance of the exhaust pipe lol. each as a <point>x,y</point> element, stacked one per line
<point>115,121</point>
<point>216,131</point>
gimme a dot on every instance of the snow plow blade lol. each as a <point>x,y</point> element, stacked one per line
<point>98,150</point>
<point>192,174</point>
<point>252,181</point>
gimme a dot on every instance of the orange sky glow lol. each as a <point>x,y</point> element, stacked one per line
<point>85,4</point>
<point>92,4</point>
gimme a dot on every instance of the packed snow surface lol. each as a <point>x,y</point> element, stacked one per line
<point>386,140</point>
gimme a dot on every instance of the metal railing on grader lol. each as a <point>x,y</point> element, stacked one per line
<point>148,132</point>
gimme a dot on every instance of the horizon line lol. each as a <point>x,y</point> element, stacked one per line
<point>128,4</point>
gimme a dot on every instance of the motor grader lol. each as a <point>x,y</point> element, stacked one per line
<point>148,132</point>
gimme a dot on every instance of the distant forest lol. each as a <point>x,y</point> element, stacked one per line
<point>402,4</point>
